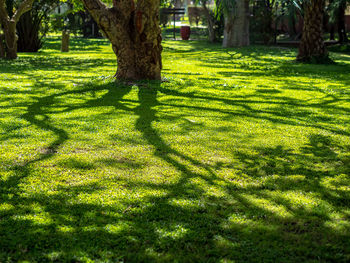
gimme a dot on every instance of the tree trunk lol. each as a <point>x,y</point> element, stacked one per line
<point>236,32</point>
<point>2,46</point>
<point>10,40</point>
<point>65,41</point>
<point>228,31</point>
<point>331,25</point>
<point>210,21</point>
<point>312,47</point>
<point>133,29</point>
<point>9,26</point>
<point>341,23</point>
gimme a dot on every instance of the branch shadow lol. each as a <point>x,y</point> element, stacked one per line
<point>187,223</point>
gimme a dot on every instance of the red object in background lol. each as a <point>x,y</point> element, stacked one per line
<point>185,32</point>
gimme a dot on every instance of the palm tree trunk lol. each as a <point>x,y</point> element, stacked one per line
<point>312,47</point>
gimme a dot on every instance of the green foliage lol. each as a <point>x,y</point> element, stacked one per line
<point>10,4</point>
<point>216,13</point>
<point>34,25</point>
<point>240,155</point>
<point>196,15</point>
<point>164,18</point>
<point>340,48</point>
<point>166,3</point>
<point>225,6</point>
<point>262,21</point>
<point>70,20</point>
<point>219,24</point>
<point>333,9</point>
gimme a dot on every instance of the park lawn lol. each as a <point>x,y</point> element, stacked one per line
<point>239,155</point>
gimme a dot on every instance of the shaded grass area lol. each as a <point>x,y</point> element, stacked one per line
<point>241,156</point>
<point>345,48</point>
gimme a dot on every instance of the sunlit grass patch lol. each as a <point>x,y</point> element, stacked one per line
<point>240,155</point>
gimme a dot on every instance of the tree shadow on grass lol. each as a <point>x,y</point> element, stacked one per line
<point>189,223</point>
<point>76,44</point>
<point>28,66</point>
<point>260,61</point>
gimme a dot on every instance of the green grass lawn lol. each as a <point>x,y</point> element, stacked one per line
<point>241,155</point>
<point>197,33</point>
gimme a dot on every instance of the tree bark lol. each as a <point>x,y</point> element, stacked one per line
<point>133,29</point>
<point>11,40</point>
<point>210,21</point>
<point>2,47</point>
<point>9,26</point>
<point>341,23</point>
<point>65,41</point>
<point>236,32</point>
<point>312,47</point>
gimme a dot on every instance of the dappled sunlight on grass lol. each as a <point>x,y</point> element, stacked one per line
<point>241,155</point>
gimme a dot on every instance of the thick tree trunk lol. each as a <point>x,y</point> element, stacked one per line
<point>9,26</point>
<point>11,40</point>
<point>133,29</point>
<point>211,31</point>
<point>312,47</point>
<point>2,46</point>
<point>236,32</point>
<point>228,31</point>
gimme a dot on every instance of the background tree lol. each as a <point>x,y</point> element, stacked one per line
<point>33,25</point>
<point>8,21</point>
<point>264,17</point>
<point>236,13</point>
<point>312,47</point>
<point>209,15</point>
<point>89,27</point>
<point>337,10</point>
<point>133,29</point>
<point>294,13</point>
<point>195,15</point>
